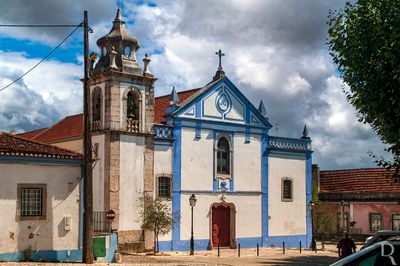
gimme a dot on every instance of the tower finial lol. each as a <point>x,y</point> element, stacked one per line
<point>261,109</point>
<point>174,98</point>
<point>220,72</point>
<point>305,133</point>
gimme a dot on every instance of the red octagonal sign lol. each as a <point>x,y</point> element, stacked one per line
<point>110,215</point>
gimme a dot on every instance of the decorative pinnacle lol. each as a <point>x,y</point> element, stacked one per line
<point>261,109</point>
<point>305,133</point>
<point>174,98</point>
<point>118,17</point>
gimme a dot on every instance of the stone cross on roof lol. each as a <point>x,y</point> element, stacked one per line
<point>220,55</point>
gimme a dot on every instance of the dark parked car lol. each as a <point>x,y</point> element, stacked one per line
<point>380,236</point>
<point>383,253</point>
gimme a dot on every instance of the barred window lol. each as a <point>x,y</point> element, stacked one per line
<point>96,104</point>
<point>164,186</point>
<point>287,189</point>
<point>31,201</point>
<point>375,221</point>
<point>223,157</point>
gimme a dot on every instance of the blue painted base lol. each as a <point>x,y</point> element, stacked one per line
<point>245,242</point>
<point>60,255</point>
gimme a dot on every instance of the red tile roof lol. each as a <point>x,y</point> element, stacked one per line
<point>69,127</point>
<point>31,134</point>
<point>11,145</point>
<point>161,103</point>
<point>72,126</point>
<point>357,180</point>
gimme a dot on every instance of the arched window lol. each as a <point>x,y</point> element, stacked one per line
<point>287,189</point>
<point>96,109</point>
<point>133,111</point>
<point>223,157</point>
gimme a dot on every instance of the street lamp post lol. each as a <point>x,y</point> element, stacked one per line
<point>311,206</point>
<point>192,202</point>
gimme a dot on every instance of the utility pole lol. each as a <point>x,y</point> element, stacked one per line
<point>87,148</point>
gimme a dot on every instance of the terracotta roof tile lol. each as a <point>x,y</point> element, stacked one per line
<point>11,145</point>
<point>69,127</point>
<point>31,134</point>
<point>358,180</point>
<point>161,103</point>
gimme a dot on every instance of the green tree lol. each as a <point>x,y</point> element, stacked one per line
<point>156,216</point>
<point>324,221</point>
<point>364,40</point>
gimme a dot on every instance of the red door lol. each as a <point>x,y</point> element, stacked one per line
<point>221,226</point>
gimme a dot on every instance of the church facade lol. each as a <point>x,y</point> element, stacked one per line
<point>210,142</point>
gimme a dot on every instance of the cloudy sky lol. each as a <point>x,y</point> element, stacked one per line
<point>275,51</point>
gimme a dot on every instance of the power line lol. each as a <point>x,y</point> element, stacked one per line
<point>40,25</point>
<point>52,51</point>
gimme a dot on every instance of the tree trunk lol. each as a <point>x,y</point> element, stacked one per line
<point>323,241</point>
<point>155,242</point>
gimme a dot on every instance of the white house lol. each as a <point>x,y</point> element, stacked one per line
<point>40,201</point>
<point>251,188</point>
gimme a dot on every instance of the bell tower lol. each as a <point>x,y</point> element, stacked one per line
<point>122,116</point>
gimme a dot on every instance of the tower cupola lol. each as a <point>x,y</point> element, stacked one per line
<point>118,49</point>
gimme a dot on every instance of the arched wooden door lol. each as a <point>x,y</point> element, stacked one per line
<point>221,226</point>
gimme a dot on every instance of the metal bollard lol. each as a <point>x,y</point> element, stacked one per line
<point>218,250</point>
<point>258,250</point>
<point>239,250</point>
<point>300,246</point>
<point>283,247</point>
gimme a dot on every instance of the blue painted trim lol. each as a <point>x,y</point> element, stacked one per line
<point>75,255</point>
<point>198,130</point>
<point>190,112</point>
<point>176,183</point>
<point>234,90</point>
<point>248,242</point>
<point>264,189</point>
<point>215,180</point>
<point>215,124</point>
<point>183,245</point>
<point>308,197</point>
<point>292,241</point>
<point>198,109</point>
<point>9,159</point>
<point>232,180</point>
<point>245,242</point>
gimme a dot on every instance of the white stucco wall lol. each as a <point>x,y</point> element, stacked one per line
<point>197,160</point>
<point>247,163</point>
<point>287,218</point>
<point>162,160</point>
<point>131,180</point>
<point>98,174</point>
<point>248,214</point>
<point>46,234</point>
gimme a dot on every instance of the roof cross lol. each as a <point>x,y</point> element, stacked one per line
<point>220,55</point>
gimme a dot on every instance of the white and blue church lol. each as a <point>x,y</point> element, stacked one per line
<point>211,142</point>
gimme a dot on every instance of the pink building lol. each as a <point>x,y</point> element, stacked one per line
<point>365,200</point>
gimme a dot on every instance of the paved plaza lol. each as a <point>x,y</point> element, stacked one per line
<point>267,256</point>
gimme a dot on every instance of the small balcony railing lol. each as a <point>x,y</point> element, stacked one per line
<point>96,125</point>
<point>162,132</point>
<point>100,223</point>
<point>289,144</point>
<point>132,125</point>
